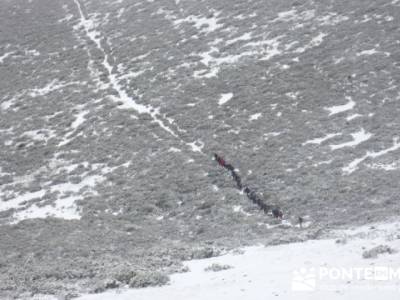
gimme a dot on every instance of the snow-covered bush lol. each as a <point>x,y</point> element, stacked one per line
<point>217,267</point>
<point>374,252</point>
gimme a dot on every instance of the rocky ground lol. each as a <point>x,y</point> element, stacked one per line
<point>110,112</point>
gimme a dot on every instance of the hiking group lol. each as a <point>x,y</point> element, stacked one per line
<point>252,195</point>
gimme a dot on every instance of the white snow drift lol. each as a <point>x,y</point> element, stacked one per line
<point>316,269</point>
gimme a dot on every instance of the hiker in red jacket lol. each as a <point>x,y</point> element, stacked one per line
<point>222,163</point>
<point>220,160</point>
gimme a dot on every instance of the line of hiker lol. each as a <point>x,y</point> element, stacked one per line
<point>276,211</point>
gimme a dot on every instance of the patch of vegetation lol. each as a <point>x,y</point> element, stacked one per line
<point>140,279</point>
<point>381,249</point>
<point>215,267</point>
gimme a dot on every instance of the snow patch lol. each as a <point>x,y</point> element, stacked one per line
<point>239,209</point>
<point>66,194</point>
<point>262,50</point>
<point>255,116</point>
<point>63,208</point>
<point>67,18</point>
<point>203,24</point>
<point>315,41</point>
<point>4,56</point>
<point>372,52</point>
<point>351,167</point>
<point>20,199</point>
<point>40,134</point>
<point>269,134</point>
<point>324,162</point>
<point>173,149</point>
<point>196,146</point>
<point>367,52</point>
<point>331,19</point>
<point>287,15</point>
<point>244,37</point>
<point>294,15</point>
<point>358,138</point>
<point>341,108</point>
<point>321,139</point>
<point>225,98</point>
<point>8,103</point>
<point>353,116</point>
<point>80,119</point>
<point>387,167</point>
<point>50,87</point>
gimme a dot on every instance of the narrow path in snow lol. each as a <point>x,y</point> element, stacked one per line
<point>127,101</point>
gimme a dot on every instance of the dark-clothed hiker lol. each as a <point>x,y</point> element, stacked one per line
<point>301,220</point>
<point>236,177</point>
<point>230,167</point>
<point>277,213</point>
<point>239,185</point>
<point>252,195</point>
<point>266,208</point>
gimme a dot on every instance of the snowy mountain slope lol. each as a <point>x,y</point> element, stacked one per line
<point>335,270</point>
<point>110,112</point>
